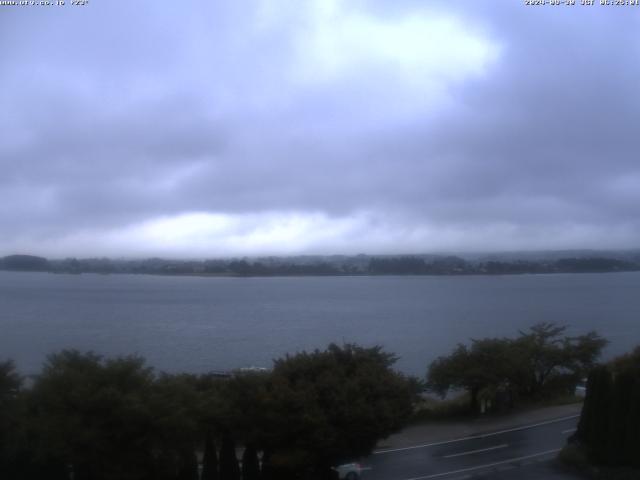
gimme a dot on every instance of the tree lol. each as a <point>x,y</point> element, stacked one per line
<point>620,411</point>
<point>188,465</point>
<point>326,407</point>
<point>631,443</point>
<point>608,427</point>
<point>209,459</point>
<point>600,402</point>
<point>229,468</point>
<point>627,368</point>
<point>629,362</point>
<point>250,463</point>
<point>24,262</point>
<point>240,403</point>
<point>538,362</point>
<point>174,403</point>
<point>397,266</point>
<point>92,414</point>
<point>266,470</point>
<point>10,383</point>
<point>548,355</point>
<point>488,365</point>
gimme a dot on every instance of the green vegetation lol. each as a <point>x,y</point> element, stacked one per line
<point>24,263</point>
<point>606,445</point>
<point>114,418</point>
<point>331,265</point>
<point>608,433</point>
<point>430,409</point>
<point>498,372</point>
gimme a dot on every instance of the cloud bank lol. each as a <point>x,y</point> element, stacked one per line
<point>260,127</point>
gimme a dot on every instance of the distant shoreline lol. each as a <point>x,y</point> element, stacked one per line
<point>328,266</point>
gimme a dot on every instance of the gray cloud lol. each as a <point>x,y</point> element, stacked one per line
<point>379,126</point>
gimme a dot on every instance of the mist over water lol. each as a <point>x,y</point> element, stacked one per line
<point>198,324</point>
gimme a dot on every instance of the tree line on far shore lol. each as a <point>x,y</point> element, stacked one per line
<point>324,265</point>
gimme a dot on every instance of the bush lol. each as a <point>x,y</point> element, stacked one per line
<point>575,457</point>
<point>429,409</point>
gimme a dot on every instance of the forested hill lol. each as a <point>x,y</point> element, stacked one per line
<point>25,263</point>
<point>335,265</point>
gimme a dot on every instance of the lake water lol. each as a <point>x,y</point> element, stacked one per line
<point>198,324</point>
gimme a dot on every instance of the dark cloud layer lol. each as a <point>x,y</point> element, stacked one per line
<point>187,129</point>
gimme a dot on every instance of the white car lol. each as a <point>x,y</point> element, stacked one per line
<point>349,471</point>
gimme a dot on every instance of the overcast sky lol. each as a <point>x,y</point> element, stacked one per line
<point>199,129</point>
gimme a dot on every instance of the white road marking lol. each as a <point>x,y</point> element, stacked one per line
<point>480,450</point>
<point>487,465</point>
<point>569,430</point>
<point>475,437</point>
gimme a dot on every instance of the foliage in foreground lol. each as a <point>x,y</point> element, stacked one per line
<point>538,363</point>
<point>609,427</point>
<point>103,418</point>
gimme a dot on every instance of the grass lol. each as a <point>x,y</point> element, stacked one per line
<point>430,409</point>
<point>457,408</point>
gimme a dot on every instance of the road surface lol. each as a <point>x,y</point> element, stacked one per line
<point>491,455</point>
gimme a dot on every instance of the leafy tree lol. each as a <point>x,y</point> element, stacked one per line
<point>547,355</point>
<point>330,406</point>
<point>629,362</point>
<point>487,365</point>
<point>174,402</point>
<point>92,414</point>
<point>539,361</point>
<point>240,403</point>
<point>10,383</point>
<point>106,419</point>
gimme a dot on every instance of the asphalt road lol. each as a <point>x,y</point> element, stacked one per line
<point>493,455</point>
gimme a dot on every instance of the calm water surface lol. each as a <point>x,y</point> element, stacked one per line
<point>199,324</point>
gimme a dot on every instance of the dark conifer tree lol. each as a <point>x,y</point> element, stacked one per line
<point>229,468</point>
<point>266,472</point>
<point>250,464</point>
<point>631,443</point>
<point>585,424</point>
<point>166,466</point>
<point>210,459</point>
<point>619,416</point>
<point>597,437</point>
<point>188,465</point>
